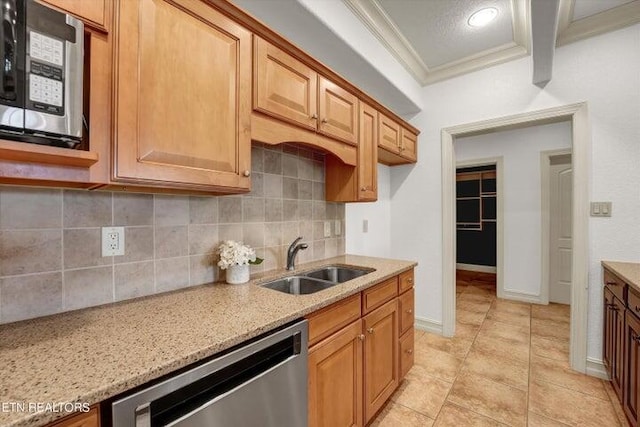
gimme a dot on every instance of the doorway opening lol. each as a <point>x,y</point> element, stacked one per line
<point>577,115</point>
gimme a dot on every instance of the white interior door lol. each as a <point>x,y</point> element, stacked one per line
<point>560,233</point>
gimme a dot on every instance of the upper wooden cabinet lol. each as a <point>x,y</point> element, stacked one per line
<point>95,11</point>
<point>289,90</point>
<point>346,183</point>
<point>183,109</point>
<point>338,112</point>
<point>283,86</point>
<point>398,144</point>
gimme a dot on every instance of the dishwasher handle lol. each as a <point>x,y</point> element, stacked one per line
<point>143,415</point>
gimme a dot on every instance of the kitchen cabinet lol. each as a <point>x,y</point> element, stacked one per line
<point>397,144</point>
<point>380,357</point>
<point>631,367</point>
<point>359,350</point>
<point>287,89</point>
<point>183,99</point>
<point>335,379</point>
<point>284,87</point>
<point>621,341</point>
<point>93,12</point>
<point>83,419</point>
<point>338,112</point>
<point>347,183</point>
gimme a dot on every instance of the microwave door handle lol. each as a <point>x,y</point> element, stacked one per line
<point>8,40</point>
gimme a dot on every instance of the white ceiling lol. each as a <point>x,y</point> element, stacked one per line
<point>432,39</point>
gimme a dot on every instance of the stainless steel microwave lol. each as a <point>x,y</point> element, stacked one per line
<point>41,74</point>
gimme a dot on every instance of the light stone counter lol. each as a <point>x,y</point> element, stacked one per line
<point>627,271</point>
<point>93,354</point>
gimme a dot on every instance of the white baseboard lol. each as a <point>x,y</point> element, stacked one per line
<point>520,296</point>
<point>428,325</point>
<point>596,368</point>
<point>478,268</point>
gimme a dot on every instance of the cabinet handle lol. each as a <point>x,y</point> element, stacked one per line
<point>363,189</point>
<point>614,307</point>
<point>361,337</point>
<point>410,350</point>
<point>410,280</point>
<point>324,120</point>
<point>637,308</point>
<point>246,173</point>
<point>409,311</point>
<point>314,116</point>
<point>370,330</point>
<point>612,284</point>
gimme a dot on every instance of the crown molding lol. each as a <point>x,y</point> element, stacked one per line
<point>373,16</point>
<point>613,19</point>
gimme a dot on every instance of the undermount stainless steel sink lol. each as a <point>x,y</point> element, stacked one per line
<point>298,285</point>
<point>316,280</point>
<point>338,274</point>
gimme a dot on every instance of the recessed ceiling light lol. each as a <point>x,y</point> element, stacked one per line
<point>482,17</point>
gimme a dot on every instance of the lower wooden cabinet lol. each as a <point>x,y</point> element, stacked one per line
<point>613,342</point>
<point>621,342</point>
<point>380,357</point>
<point>335,379</point>
<point>631,366</point>
<point>359,352</point>
<point>84,419</point>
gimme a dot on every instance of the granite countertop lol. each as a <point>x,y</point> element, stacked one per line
<point>93,354</point>
<point>627,271</point>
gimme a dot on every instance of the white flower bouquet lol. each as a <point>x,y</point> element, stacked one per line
<point>235,253</point>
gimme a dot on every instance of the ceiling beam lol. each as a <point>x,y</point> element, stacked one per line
<point>544,26</point>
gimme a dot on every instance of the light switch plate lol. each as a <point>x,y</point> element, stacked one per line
<point>112,241</point>
<point>365,225</point>
<point>601,209</point>
<point>327,229</point>
<point>337,227</point>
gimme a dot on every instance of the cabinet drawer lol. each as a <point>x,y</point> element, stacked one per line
<point>406,310</point>
<point>406,352</point>
<point>633,302</point>
<point>379,294</point>
<point>330,319</point>
<point>406,280</point>
<point>615,285</point>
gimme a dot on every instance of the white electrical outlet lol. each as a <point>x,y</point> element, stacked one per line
<point>327,229</point>
<point>112,241</point>
<point>337,227</point>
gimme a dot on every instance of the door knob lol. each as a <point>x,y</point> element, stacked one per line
<point>370,330</point>
<point>314,116</point>
<point>410,351</point>
<point>409,311</point>
<point>246,173</point>
<point>324,120</point>
<point>361,337</point>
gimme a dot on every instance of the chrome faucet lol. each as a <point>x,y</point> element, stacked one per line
<point>293,251</point>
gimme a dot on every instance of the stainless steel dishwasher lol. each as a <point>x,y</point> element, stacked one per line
<point>263,383</point>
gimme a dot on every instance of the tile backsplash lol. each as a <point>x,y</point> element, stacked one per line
<point>50,248</point>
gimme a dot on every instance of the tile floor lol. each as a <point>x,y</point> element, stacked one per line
<point>507,365</point>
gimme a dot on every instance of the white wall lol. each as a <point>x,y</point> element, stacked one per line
<point>522,194</point>
<point>603,71</point>
<point>376,242</point>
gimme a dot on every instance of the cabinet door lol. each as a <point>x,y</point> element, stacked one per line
<point>631,370</point>
<point>368,154</point>
<point>407,341</point>
<point>408,144</point>
<point>388,134</point>
<point>338,112</point>
<point>183,101</point>
<point>617,309</point>
<point>335,379</point>
<point>380,357</point>
<point>608,332</point>
<point>283,86</point>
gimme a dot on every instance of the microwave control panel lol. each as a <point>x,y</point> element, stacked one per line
<point>45,65</point>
